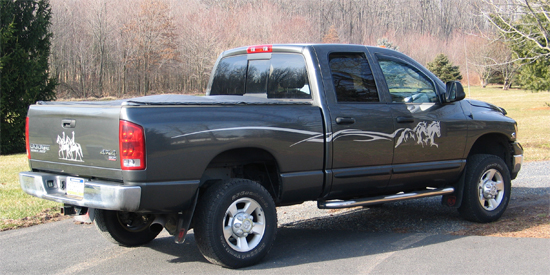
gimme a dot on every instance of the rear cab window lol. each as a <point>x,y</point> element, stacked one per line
<point>280,76</point>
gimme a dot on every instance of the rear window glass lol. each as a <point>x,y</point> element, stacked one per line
<point>282,76</point>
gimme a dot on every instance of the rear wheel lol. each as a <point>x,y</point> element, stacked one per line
<point>236,223</point>
<point>487,189</point>
<point>125,228</point>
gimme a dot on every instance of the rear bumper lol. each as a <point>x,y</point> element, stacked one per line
<point>97,194</point>
<point>156,197</point>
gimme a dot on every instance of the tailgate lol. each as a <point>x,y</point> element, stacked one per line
<point>75,139</point>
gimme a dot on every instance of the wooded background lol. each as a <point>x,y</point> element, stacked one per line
<point>127,48</point>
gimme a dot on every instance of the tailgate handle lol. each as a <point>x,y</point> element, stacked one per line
<point>68,123</point>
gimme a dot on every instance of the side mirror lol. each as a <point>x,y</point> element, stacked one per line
<point>454,92</point>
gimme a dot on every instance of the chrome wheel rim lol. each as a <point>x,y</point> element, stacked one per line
<point>491,189</point>
<point>244,224</point>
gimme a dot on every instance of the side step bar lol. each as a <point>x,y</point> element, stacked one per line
<point>335,204</point>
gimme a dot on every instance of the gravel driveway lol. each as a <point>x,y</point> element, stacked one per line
<point>417,216</point>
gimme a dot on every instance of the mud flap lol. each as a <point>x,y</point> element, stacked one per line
<point>184,221</point>
<point>454,199</point>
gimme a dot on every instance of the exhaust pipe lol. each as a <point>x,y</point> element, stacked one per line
<point>158,224</point>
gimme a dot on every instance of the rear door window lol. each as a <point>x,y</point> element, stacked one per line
<point>352,78</point>
<point>282,76</point>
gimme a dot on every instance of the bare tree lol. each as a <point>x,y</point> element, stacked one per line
<point>154,36</point>
<point>483,57</point>
<point>505,64</point>
<point>331,36</point>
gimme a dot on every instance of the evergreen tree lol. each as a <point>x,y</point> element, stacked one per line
<point>528,38</point>
<point>384,42</point>
<point>444,69</point>
<point>535,76</point>
<point>535,60</point>
<point>25,48</point>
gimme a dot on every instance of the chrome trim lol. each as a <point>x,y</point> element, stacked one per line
<point>383,199</point>
<point>518,161</point>
<point>97,194</point>
<point>74,164</point>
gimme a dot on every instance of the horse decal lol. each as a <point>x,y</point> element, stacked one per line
<point>423,134</point>
<point>69,149</point>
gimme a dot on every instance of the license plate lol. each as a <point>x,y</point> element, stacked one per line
<point>28,182</point>
<point>75,187</point>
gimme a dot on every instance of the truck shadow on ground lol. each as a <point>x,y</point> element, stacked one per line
<point>359,232</point>
<point>303,246</point>
<point>338,235</point>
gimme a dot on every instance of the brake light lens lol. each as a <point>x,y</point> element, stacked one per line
<point>131,146</point>
<point>260,49</point>
<point>27,144</point>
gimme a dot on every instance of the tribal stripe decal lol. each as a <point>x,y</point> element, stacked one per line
<point>251,128</point>
<point>423,134</point>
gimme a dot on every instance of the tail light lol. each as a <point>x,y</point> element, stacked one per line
<point>260,49</point>
<point>27,144</point>
<point>131,146</point>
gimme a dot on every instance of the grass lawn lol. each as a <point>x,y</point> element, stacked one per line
<point>530,110</point>
<point>16,205</point>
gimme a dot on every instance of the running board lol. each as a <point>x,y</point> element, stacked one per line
<point>335,204</point>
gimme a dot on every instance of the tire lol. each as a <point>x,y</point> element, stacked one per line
<point>125,228</point>
<point>235,223</point>
<point>487,189</point>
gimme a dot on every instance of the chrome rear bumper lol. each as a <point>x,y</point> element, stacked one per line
<point>97,194</point>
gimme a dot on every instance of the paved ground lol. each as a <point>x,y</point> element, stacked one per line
<point>399,238</point>
<point>66,248</point>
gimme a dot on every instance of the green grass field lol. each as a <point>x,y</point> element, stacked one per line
<point>14,203</point>
<point>530,110</point>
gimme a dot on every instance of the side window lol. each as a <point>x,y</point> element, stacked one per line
<point>352,78</point>
<point>406,83</point>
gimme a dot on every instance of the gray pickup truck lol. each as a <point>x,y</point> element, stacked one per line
<point>344,125</point>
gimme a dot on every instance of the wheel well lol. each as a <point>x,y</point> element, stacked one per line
<point>494,144</point>
<point>247,163</point>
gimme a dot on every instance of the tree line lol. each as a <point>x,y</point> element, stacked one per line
<point>97,48</point>
<point>123,48</point>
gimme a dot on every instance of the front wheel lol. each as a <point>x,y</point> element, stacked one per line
<point>125,228</point>
<point>487,189</point>
<point>236,223</point>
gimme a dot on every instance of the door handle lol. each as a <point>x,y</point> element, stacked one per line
<point>405,119</point>
<point>345,120</point>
